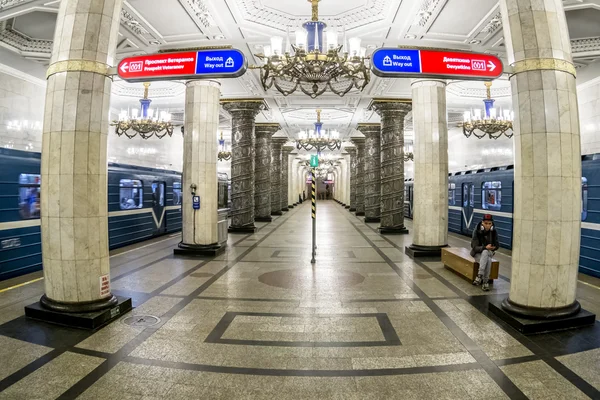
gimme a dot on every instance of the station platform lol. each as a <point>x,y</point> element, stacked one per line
<point>261,322</point>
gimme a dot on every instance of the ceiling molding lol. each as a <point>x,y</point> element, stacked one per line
<point>5,4</point>
<point>24,45</point>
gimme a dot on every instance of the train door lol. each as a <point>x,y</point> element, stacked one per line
<point>468,204</point>
<point>158,207</point>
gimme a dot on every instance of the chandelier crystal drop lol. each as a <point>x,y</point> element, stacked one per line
<point>491,123</point>
<point>317,139</point>
<point>144,122</point>
<point>224,153</point>
<point>311,65</point>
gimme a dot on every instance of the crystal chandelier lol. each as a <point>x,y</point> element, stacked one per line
<point>224,153</point>
<point>146,122</point>
<point>493,123</point>
<point>316,139</point>
<point>312,66</point>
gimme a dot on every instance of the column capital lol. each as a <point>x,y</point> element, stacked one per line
<point>266,129</point>
<point>423,81</point>
<point>358,141</point>
<point>288,149</point>
<point>385,106</point>
<point>279,141</point>
<point>368,129</point>
<point>244,106</point>
<point>351,150</point>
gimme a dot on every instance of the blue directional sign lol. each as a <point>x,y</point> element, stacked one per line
<point>397,61</point>
<point>222,62</point>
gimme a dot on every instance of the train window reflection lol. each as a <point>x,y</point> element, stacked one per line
<point>491,195</point>
<point>158,193</point>
<point>131,193</point>
<point>584,199</point>
<point>451,194</point>
<point>176,193</point>
<point>29,196</point>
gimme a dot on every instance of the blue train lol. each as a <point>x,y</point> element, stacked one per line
<point>142,203</point>
<point>490,191</point>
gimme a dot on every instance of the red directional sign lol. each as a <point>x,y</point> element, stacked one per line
<point>210,63</point>
<point>414,63</point>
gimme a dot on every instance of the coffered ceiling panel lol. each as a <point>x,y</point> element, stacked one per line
<point>37,24</point>
<point>460,17</point>
<point>584,23</point>
<point>169,20</point>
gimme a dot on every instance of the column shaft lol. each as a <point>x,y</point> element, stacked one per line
<point>285,162</point>
<point>276,175</point>
<point>360,175</point>
<point>372,178</point>
<point>352,152</point>
<point>262,194</point>
<point>430,218</point>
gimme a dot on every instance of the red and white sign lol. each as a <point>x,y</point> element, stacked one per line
<point>158,65</point>
<point>457,63</point>
<point>104,285</point>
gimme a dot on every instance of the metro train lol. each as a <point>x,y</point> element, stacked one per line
<point>490,191</point>
<point>142,203</point>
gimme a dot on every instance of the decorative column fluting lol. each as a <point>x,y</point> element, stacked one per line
<point>430,215</point>
<point>547,181</point>
<point>243,112</point>
<point>200,234</point>
<point>285,162</point>
<point>276,144</point>
<point>372,180</point>
<point>352,152</point>
<point>262,171</point>
<point>392,113</point>
<point>360,175</point>
<point>73,198</point>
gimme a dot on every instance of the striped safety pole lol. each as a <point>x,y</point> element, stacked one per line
<point>314,215</point>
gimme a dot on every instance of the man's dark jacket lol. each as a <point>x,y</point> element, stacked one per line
<point>481,239</point>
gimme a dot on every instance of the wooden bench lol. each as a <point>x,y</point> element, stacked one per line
<point>459,260</point>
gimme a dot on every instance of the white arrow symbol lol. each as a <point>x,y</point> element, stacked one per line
<point>491,66</point>
<point>124,67</point>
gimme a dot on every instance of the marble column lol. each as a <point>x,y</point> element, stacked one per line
<point>243,140</point>
<point>372,178</point>
<point>352,152</point>
<point>360,175</point>
<point>200,227</point>
<point>73,199</point>
<point>430,218</point>
<point>262,187</point>
<point>276,144</point>
<point>285,163</point>
<point>547,182</point>
<point>392,113</point>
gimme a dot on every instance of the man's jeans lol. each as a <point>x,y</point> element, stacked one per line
<point>485,263</point>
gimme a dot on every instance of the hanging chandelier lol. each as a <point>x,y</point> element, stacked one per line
<point>409,157</point>
<point>493,123</point>
<point>317,139</point>
<point>311,66</point>
<point>224,153</point>
<point>145,122</point>
<point>323,161</point>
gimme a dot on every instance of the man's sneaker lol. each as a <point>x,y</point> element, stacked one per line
<point>478,280</point>
<point>486,286</point>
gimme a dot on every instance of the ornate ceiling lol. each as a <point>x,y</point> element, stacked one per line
<point>26,28</point>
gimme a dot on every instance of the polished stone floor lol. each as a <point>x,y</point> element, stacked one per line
<point>364,322</point>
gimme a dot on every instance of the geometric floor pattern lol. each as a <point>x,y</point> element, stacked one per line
<point>261,322</point>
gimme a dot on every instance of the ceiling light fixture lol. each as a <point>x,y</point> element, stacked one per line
<point>146,122</point>
<point>492,123</point>
<point>316,139</point>
<point>311,66</point>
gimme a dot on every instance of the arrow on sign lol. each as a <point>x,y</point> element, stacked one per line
<point>491,66</point>
<point>124,67</point>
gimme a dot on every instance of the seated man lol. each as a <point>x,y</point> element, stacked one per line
<point>483,245</point>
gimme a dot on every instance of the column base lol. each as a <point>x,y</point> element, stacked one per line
<point>291,206</point>
<point>352,209</point>
<point>263,219</point>
<point>210,250</point>
<point>276,213</point>
<point>372,219</point>
<point>343,204</point>
<point>360,213</point>
<point>414,250</point>
<point>347,207</point>
<point>285,209</point>
<point>530,320</point>
<point>243,229</point>
<point>53,312</point>
<point>396,230</point>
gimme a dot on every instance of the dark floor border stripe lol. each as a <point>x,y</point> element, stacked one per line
<point>247,299</point>
<point>83,384</point>
<point>301,372</point>
<point>516,360</point>
<point>505,384</point>
<point>29,368</point>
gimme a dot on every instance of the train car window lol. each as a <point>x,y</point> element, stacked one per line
<point>491,195</point>
<point>158,193</point>
<point>465,195</point>
<point>584,199</point>
<point>176,193</point>
<point>131,193</point>
<point>451,194</point>
<point>29,196</point>
<point>472,196</point>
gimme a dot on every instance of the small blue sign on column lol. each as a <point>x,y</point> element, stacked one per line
<point>196,202</point>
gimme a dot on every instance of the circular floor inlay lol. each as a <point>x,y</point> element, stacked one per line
<point>141,320</point>
<point>319,278</point>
